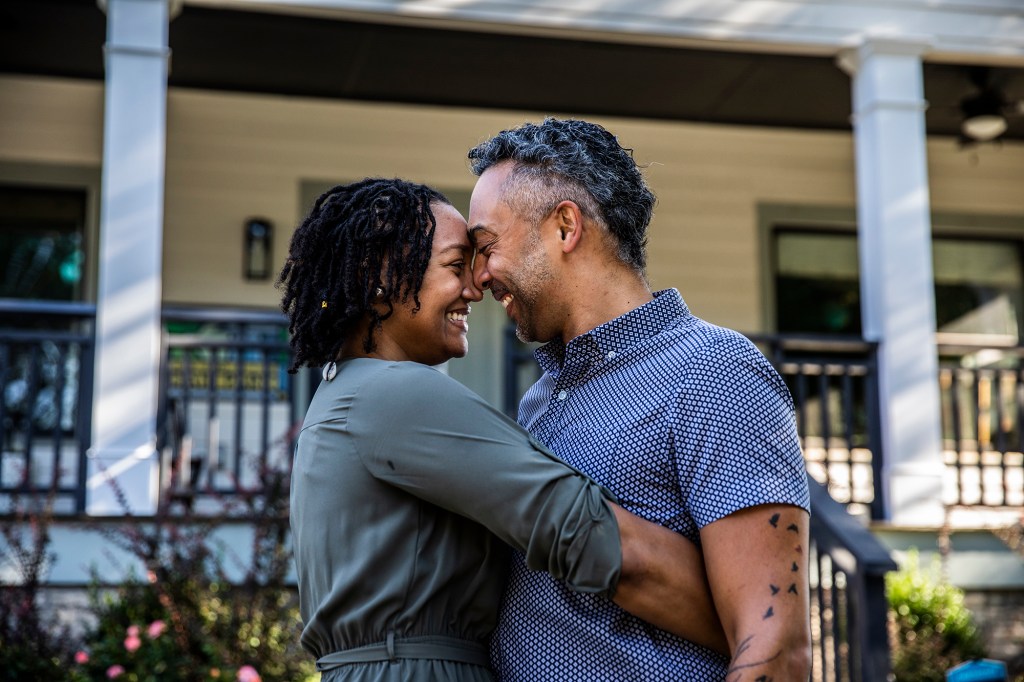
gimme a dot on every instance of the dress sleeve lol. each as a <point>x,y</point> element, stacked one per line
<point>430,436</point>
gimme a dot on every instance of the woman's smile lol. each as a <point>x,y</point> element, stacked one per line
<point>460,318</point>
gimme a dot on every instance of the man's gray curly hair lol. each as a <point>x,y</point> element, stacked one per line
<point>566,159</point>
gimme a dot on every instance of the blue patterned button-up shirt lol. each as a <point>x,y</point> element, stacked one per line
<point>686,423</point>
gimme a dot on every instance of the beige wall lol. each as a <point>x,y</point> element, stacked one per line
<point>233,156</point>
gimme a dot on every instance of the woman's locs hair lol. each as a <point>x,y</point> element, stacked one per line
<point>359,239</point>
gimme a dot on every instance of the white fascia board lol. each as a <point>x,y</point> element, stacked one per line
<point>971,30</point>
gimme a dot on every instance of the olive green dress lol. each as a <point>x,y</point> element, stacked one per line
<point>406,485</point>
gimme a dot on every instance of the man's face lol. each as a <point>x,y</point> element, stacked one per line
<point>511,260</point>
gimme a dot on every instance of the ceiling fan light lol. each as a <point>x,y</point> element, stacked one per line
<point>984,127</point>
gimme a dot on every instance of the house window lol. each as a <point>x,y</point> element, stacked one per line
<point>42,242</point>
<point>979,288</point>
<point>816,283</point>
<point>979,284</point>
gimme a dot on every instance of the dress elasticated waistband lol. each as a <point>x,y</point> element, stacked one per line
<point>427,646</point>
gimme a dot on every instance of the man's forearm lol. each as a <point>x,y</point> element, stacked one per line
<point>664,582</point>
<point>763,600</point>
<point>760,658</point>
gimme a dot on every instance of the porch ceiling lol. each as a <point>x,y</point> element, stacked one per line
<point>315,57</point>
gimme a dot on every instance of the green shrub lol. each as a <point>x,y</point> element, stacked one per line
<point>933,630</point>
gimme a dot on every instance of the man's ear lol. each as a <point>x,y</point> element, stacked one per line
<point>569,221</point>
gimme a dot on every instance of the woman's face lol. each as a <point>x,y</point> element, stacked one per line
<point>437,331</point>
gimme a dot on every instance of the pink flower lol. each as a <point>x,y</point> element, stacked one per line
<point>133,631</point>
<point>156,628</point>
<point>247,673</point>
<point>132,643</point>
<point>81,657</point>
<point>115,671</point>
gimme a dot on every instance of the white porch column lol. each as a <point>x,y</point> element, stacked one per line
<point>896,282</point>
<point>127,370</point>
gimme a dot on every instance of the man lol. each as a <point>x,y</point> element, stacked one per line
<point>687,423</point>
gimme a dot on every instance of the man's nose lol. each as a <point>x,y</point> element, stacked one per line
<point>481,277</point>
<point>470,291</point>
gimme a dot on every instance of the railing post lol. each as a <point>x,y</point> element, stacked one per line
<point>514,358</point>
<point>874,658</point>
<point>510,384</point>
<point>872,397</point>
<point>83,426</point>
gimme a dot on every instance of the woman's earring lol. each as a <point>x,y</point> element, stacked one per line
<point>330,371</point>
<point>379,292</point>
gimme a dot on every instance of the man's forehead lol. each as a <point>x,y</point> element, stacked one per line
<point>492,183</point>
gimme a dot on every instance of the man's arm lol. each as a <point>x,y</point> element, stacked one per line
<point>757,564</point>
<point>663,582</point>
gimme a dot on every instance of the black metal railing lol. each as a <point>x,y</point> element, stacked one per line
<point>849,610</point>
<point>833,382</point>
<point>228,405</point>
<point>982,396</point>
<point>46,366</point>
<point>230,409</point>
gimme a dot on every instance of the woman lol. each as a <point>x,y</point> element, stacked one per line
<point>407,486</point>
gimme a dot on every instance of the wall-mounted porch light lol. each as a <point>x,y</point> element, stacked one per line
<point>258,234</point>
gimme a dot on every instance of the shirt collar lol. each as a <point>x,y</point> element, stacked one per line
<point>619,334</point>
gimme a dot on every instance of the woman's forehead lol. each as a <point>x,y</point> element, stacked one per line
<point>450,232</point>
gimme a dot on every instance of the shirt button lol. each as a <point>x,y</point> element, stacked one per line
<point>562,395</point>
<point>611,355</point>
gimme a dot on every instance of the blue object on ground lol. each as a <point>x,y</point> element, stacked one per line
<point>981,670</point>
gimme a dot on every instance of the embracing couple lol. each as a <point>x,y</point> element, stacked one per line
<point>646,520</point>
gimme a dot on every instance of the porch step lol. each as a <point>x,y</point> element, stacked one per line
<point>977,559</point>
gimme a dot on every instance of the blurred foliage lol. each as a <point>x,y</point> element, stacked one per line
<point>200,613</point>
<point>933,630</point>
<point>33,645</point>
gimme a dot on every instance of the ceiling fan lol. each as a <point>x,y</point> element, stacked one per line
<point>986,112</point>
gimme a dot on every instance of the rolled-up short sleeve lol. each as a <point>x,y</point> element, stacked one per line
<point>433,438</point>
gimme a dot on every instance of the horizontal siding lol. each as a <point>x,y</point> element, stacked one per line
<point>230,157</point>
<point>51,121</point>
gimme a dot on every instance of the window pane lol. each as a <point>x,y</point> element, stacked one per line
<point>817,255</point>
<point>978,286</point>
<point>42,246</point>
<point>816,284</point>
